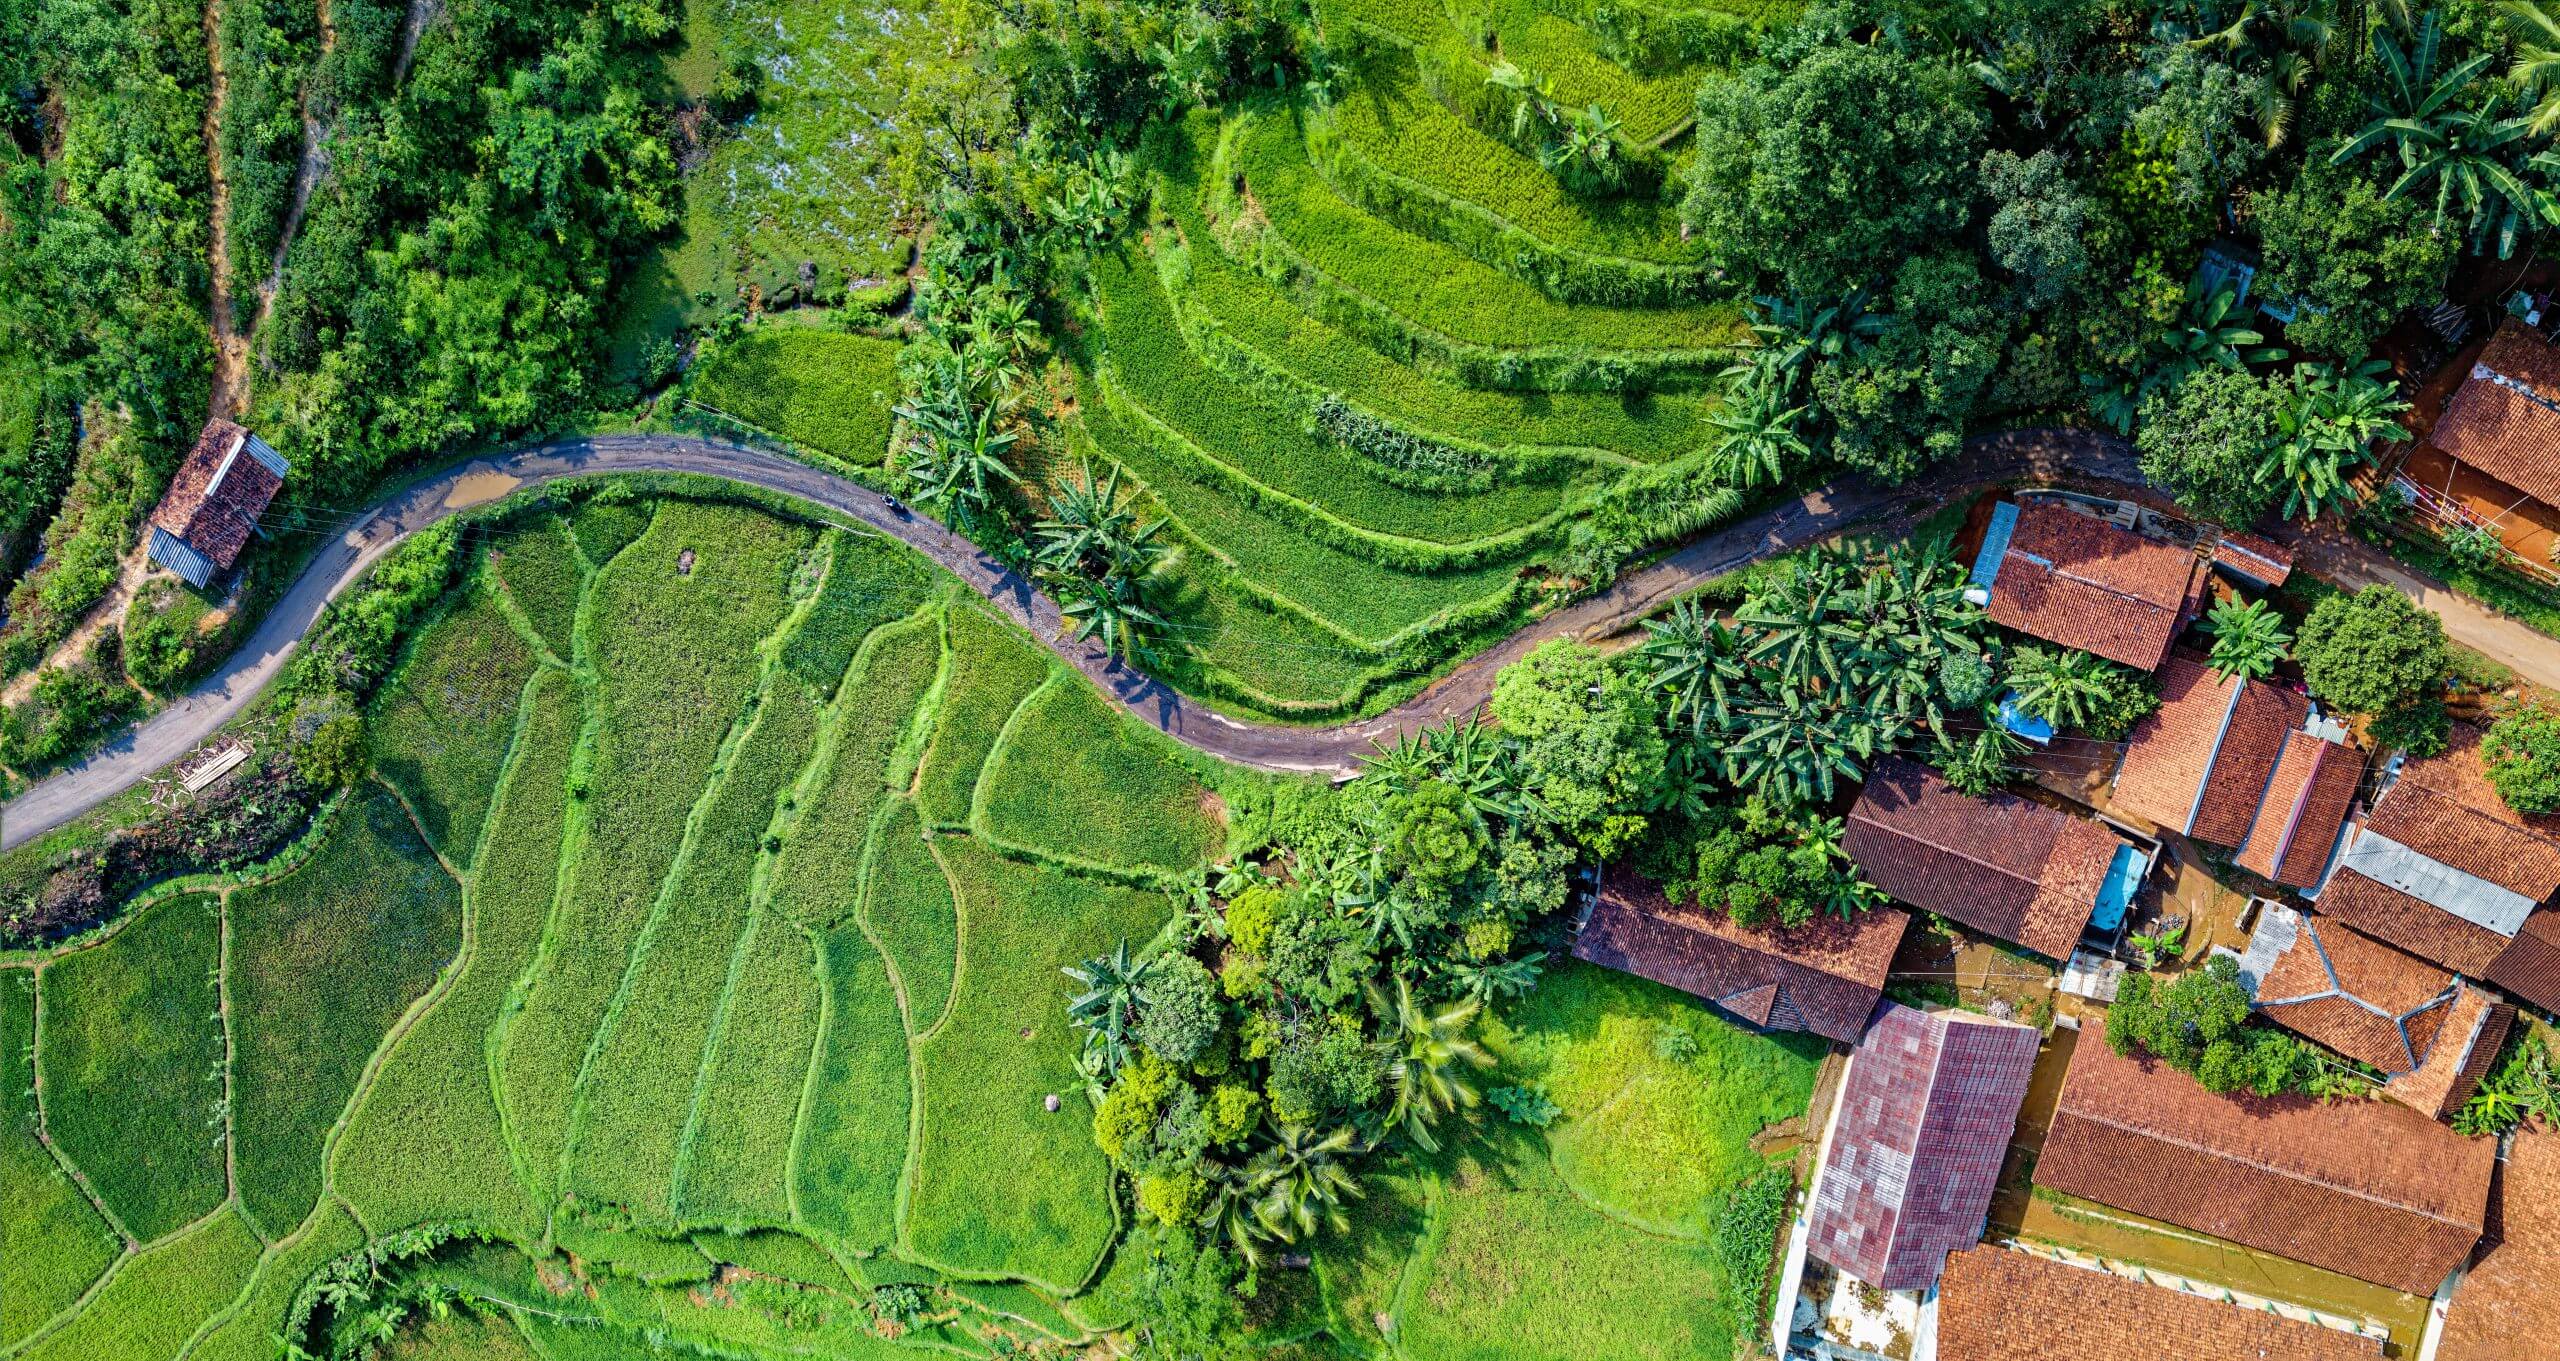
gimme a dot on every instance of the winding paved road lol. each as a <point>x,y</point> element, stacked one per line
<point>2052,456</point>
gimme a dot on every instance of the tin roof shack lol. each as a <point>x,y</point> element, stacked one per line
<point>2004,1304</point>
<point>214,501</point>
<point>2073,579</point>
<point>2245,764</point>
<point>2028,874</point>
<point>2429,1033</point>
<point>2368,1189</point>
<point>2508,1307</point>
<point>2443,869</point>
<point>1925,1118</point>
<point>1825,976</point>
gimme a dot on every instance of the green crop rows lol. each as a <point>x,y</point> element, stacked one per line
<point>824,390</point>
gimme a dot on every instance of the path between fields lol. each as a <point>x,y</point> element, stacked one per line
<point>2052,456</point>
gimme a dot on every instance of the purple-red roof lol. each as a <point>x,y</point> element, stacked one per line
<point>1925,1119</point>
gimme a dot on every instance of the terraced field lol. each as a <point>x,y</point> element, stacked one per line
<point>1376,362</point>
<point>693,945</point>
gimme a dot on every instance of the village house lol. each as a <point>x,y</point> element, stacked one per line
<point>2368,1189</point>
<point>1924,1121</point>
<point>2008,1304</point>
<point>2070,578</point>
<point>2443,869</point>
<point>2507,1307</point>
<point>2430,1034</point>
<point>1824,977</point>
<point>214,501</point>
<point>2489,458</point>
<point>2244,764</point>
<point>2003,865</point>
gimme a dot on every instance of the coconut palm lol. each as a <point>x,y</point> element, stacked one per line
<point>1694,657</point>
<point>2535,25</point>
<point>2060,685</point>
<point>1107,1008</point>
<point>1432,1050</point>
<point>1300,1179</point>
<point>2248,639</point>
<point>1760,442</point>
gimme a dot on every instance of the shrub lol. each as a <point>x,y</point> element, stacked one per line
<point>2371,651</point>
<point>1746,1224</point>
<point>2199,1024</point>
<point>1252,916</point>
<point>1526,1105</point>
<point>2523,751</point>
<point>334,756</point>
<point>1324,1066</point>
<point>1178,1010</point>
<point>161,635</point>
<point>1172,1197</point>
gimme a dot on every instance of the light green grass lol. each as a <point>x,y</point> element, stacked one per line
<point>602,526</point>
<point>635,1101</point>
<point>57,1244</point>
<point>539,568</point>
<point>1002,1187</point>
<point>323,962</point>
<point>426,1145</point>
<point>873,580</point>
<point>818,880</point>
<point>438,730</point>
<point>676,657</point>
<point>132,1066</point>
<point>160,1298</point>
<point>1076,778</point>
<point>852,1146</point>
<point>461,1335</point>
<point>907,907</point>
<point>824,390</point>
<point>993,669</point>
<point>737,1170</point>
<point>250,1333</point>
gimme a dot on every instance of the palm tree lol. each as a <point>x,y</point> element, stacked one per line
<point>1426,1078</point>
<point>2462,151</point>
<point>1791,623</point>
<point>1092,534</point>
<point>2535,25</point>
<point>1697,659</point>
<point>2248,639</point>
<point>2212,332</point>
<point>1761,442</point>
<point>1299,1180</point>
<point>2329,431</point>
<point>2060,685</point>
<point>1107,1008</point>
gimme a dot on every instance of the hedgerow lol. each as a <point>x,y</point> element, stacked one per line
<point>59,1244</point>
<point>538,566</point>
<point>907,907</point>
<point>637,1093</point>
<point>160,1298</point>
<point>825,390</point>
<point>993,669</point>
<point>323,961</point>
<point>425,1144</point>
<point>1001,1185</point>
<point>1072,780</point>
<point>676,659</point>
<point>132,1065</point>
<point>432,725</point>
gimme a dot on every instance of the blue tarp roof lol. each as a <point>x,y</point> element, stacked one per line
<point>2022,723</point>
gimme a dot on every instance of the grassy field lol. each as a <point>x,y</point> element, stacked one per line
<point>824,390</point>
<point>131,1066</point>
<point>430,727</point>
<point>537,565</point>
<point>38,1201</point>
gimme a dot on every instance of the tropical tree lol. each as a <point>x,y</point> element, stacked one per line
<point>1092,535</point>
<point>1761,441</point>
<point>2329,429</point>
<point>1697,660</point>
<point>2211,333</point>
<point>1106,1011</point>
<point>2062,686</point>
<point>1792,748</point>
<point>1115,612</point>
<point>1426,1077</point>
<point>2535,25</point>
<point>956,442</point>
<point>2461,149</point>
<point>1300,1179</point>
<point>2248,639</point>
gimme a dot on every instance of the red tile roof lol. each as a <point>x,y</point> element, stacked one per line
<point>2201,764</point>
<point>2444,808</point>
<point>2254,558</point>
<point>2236,783</point>
<point>2508,1308</point>
<point>1825,977</point>
<point>2370,1189</point>
<point>2466,1044</point>
<point>2529,966</point>
<point>2505,420</point>
<point>1925,1119</point>
<point>2414,924</point>
<point>2002,1304</point>
<point>2002,864</point>
<point>2076,580</point>
<point>216,496</point>
<point>2357,996</point>
<point>2305,808</point>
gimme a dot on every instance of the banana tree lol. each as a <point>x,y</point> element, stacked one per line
<point>1695,659</point>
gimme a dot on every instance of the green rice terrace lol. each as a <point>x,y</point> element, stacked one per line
<point>685,975</point>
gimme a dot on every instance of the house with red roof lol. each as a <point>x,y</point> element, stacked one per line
<point>1924,1120</point>
<point>2011,1304</point>
<point>2369,1189</point>
<point>2024,872</point>
<point>2506,1308</point>
<point>2244,764</point>
<point>2504,421</point>
<point>2055,573</point>
<point>1824,977</point>
<point>214,501</point>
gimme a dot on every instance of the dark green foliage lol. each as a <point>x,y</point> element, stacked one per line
<point>267,53</point>
<point>2350,259</point>
<point>69,706</point>
<point>539,568</point>
<point>2523,752</point>
<point>2522,1084</point>
<point>1750,862</point>
<point>605,524</point>
<point>1593,742</point>
<point>2199,1023</point>
<point>1178,1011</point>
<point>2372,651</point>
<point>1747,1221</point>
<point>1902,399</point>
<point>1530,1106</point>
<point>165,645</point>
<point>2209,438</point>
<point>1324,1068</point>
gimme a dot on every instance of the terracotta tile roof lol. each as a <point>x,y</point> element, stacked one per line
<point>2508,1309</point>
<point>2001,1304</point>
<point>2357,995</point>
<point>2370,1189</point>
<point>2305,808</point>
<point>2505,420</point>
<point>1925,1118</point>
<point>2443,807</point>
<point>2415,925</point>
<point>2201,764</point>
<point>2254,558</point>
<point>2016,869</point>
<point>2529,966</point>
<point>2467,1043</point>
<point>2076,580</point>
<point>1825,977</point>
<point>219,491</point>
<point>2235,787</point>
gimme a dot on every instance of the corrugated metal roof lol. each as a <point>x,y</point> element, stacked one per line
<point>2468,896</point>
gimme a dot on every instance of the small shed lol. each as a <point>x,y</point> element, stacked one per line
<point>214,501</point>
